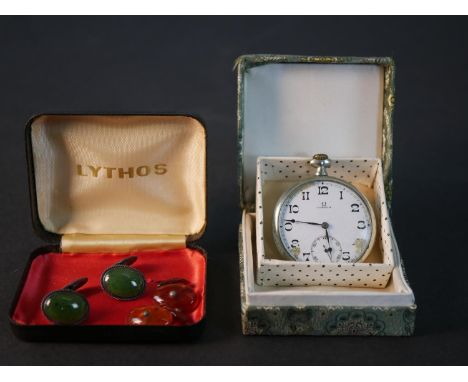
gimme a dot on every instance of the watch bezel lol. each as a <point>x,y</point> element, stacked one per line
<point>276,234</point>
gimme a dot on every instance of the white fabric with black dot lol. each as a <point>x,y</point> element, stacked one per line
<point>273,272</point>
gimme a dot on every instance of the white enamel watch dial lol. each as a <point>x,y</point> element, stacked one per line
<point>324,220</point>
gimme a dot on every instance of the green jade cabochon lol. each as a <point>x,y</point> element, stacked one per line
<point>65,307</point>
<point>123,282</point>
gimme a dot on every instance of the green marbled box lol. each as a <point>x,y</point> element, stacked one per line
<point>294,106</point>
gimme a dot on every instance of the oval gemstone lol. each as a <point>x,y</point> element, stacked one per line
<point>178,296</point>
<point>65,307</point>
<point>150,315</point>
<point>123,282</point>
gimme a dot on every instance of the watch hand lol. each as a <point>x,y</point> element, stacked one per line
<point>328,237</point>
<point>327,251</point>
<point>325,227</point>
<point>299,221</point>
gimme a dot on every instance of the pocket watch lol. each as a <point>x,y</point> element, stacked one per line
<point>324,220</point>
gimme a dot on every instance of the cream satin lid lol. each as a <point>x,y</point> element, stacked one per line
<point>133,175</point>
<point>302,105</point>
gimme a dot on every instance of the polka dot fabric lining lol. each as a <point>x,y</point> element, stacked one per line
<point>274,272</point>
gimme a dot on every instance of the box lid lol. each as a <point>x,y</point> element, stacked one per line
<point>302,105</point>
<point>117,175</point>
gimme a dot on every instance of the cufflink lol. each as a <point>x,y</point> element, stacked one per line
<point>123,282</point>
<point>175,299</point>
<point>150,315</point>
<point>66,306</point>
<point>178,296</point>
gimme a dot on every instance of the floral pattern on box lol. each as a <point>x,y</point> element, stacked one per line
<point>329,321</point>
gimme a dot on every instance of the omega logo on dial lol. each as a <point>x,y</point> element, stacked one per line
<point>324,219</point>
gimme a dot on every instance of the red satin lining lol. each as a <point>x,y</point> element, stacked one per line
<point>53,271</point>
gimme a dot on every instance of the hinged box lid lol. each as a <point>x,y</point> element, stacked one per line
<point>124,175</point>
<point>302,105</point>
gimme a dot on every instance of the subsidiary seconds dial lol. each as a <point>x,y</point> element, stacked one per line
<point>324,220</point>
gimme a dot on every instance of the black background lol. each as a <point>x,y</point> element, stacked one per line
<point>184,64</point>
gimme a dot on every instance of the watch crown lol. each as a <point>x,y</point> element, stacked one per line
<point>320,156</point>
<point>321,163</point>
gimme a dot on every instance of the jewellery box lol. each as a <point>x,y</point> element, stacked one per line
<point>103,187</point>
<point>290,108</point>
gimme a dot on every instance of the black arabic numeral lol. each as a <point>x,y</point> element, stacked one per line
<point>354,207</point>
<point>361,224</point>
<point>323,190</point>
<point>305,195</point>
<point>293,209</point>
<point>294,243</point>
<point>288,226</point>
